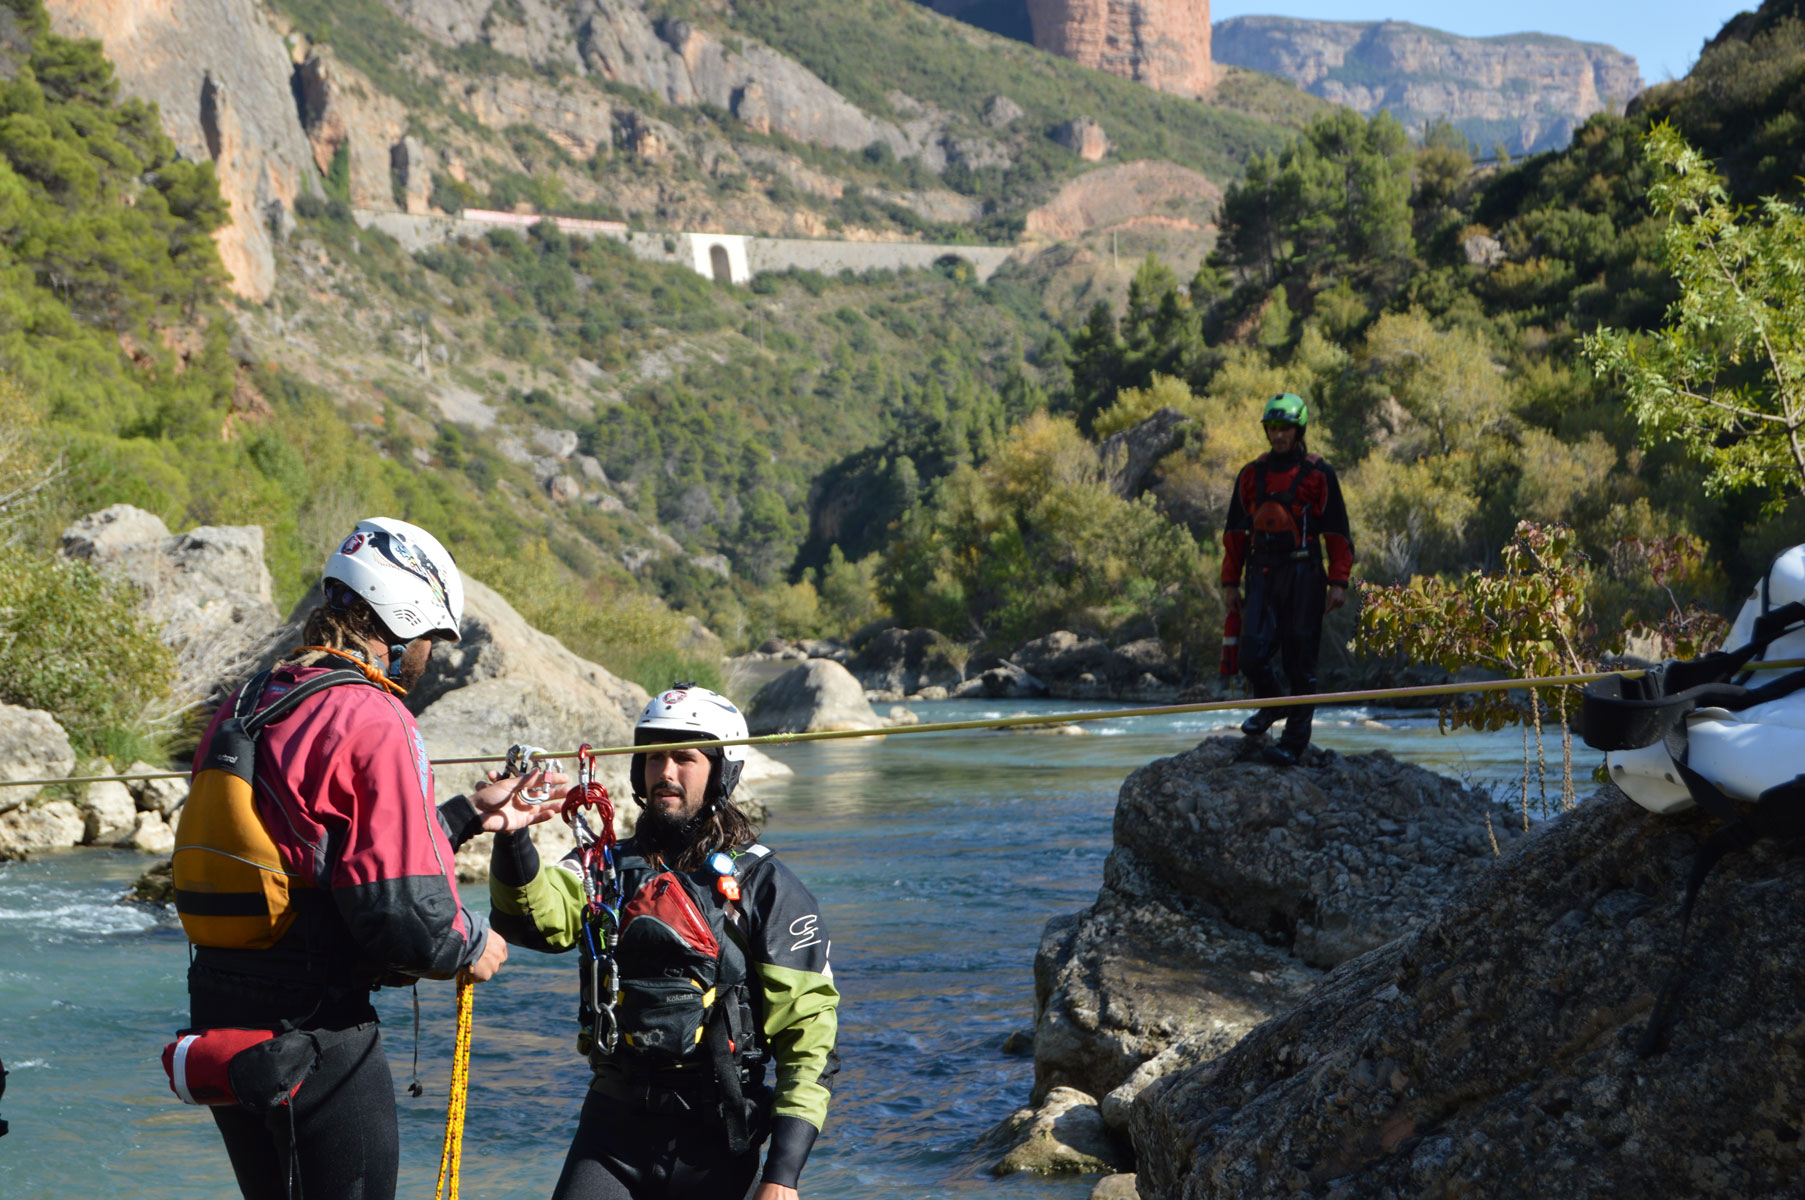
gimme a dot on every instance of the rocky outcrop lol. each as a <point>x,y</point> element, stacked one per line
<point>32,746</point>
<point>27,831</point>
<point>1164,44</point>
<point>1129,457</point>
<point>1527,91</point>
<point>207,590</point>
<point>579,120</point>
<point>904,661</point>
<point>687,66</point>
<point>219,75</point>
<point>1083,137</point>
<point>343,112</point>
<point>1231,887</point>
<point>819,695</point>
<point>1493,1050</point>
<point>1074,667</point>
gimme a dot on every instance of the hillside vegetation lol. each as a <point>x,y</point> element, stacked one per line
<point>805,454</point>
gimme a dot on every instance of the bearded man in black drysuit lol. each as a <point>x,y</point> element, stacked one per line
<point>720,979</point>
<point>1285,509</point>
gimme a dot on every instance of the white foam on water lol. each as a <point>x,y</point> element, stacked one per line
<point>74,913</point>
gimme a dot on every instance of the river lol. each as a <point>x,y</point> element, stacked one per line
<point>937,859</point>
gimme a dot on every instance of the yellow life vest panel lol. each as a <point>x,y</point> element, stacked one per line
<point>232,890</point>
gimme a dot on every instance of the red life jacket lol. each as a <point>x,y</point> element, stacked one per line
<point>1280,524</point>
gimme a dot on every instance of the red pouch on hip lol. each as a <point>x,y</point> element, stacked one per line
<point>256,1069</point>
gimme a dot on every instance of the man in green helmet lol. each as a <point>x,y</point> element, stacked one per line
<point>1285,510</point>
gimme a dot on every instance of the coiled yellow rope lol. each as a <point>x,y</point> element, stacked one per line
<point>453,1153</point>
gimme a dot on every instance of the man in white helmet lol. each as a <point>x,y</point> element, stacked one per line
<point>343,795</point>
<point>705,966</point>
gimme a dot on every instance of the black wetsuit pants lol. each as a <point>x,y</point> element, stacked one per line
<point>1281,621</point>
<point>623,1154</point>
<point>343,1132</point>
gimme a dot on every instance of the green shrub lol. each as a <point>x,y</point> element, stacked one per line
<point>73,643</point>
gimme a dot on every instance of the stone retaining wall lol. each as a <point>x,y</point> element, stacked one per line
<point>733,257</point>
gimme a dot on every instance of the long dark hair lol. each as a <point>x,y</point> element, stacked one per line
<point>720,826</point>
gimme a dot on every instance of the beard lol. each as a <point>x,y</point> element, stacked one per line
<point>667,835</point>
<point>413,662</point>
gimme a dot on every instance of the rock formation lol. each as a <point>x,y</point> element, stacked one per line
<point>1231,887</point>
<point>1164,44</point>
<point>1493,1050</point>
<point>1528,91</point>
<point>32,746</point>
<point>906,660</point>
<point>818,695</point>
<point>207,590</point>
<point>220,78</point>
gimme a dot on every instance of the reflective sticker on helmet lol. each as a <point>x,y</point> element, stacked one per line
<point>402,554</point>
<point>352,545</point>
<point>674,697</point>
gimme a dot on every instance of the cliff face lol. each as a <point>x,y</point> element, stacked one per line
<point>1526,91</point>
<point>219,73</point>
<point>1164,44</point>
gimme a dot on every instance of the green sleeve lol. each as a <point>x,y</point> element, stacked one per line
<point>801,1024</point>
<point>544,913</point>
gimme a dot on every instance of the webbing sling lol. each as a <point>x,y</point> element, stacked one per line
<point>1620,714</point>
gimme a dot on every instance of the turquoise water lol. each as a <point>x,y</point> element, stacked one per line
<point>937,858</point>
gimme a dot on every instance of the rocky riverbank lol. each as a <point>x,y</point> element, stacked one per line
<point>894,664</point>
<point>1231,888</point>
<point>208,590</point>
<point>1356,979</point>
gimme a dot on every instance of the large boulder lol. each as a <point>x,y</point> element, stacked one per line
<point>109,812</point>
<point>1063,1136</point>
<point>53,826</point>
<point>163,796</point>
<point>496,642</point>
<point>32,746</point>
<point>486,718</point>
<point>1070,665</point>
<point>206,590</point>
<point>1494,1050</point>
<point>819,695</point>
<point>907,660</point>
<point>1232,885</point>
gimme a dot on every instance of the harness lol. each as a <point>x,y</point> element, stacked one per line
<point>1281,528</point>
<point>1630,714</point>
<point>665,1012</point>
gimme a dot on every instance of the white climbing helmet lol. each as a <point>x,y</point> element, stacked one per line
<point>1745,752</point>
<point>687,713</point>
<point>404,575</point>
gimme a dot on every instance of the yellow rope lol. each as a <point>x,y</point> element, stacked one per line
<point>452,1155</point>
<point>1320,699</point>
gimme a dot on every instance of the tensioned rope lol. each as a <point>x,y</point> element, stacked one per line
<point>1319,699</point>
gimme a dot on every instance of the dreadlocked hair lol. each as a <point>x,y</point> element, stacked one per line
<point>344,622</point>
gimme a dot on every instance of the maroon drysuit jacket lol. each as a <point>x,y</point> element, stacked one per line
<point>345,790</point>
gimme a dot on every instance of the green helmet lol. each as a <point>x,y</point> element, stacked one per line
<point>1286,409</point>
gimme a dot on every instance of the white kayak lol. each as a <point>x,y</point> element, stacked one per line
<point>1744,753</point>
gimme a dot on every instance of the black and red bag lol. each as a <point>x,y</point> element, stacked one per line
<point>255,1069</point>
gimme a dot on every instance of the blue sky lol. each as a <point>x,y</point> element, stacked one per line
<point>1663,35</point>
